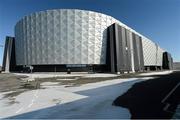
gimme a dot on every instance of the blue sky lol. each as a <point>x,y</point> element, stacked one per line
<point>158,20</point>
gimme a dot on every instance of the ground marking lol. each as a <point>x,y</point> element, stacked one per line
<point>19,110</point>
<point>165,98</point>
<point>170,92</point>
<point>32,101</point>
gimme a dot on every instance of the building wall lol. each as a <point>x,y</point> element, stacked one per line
<point>149,52</point>
<point>62,37</point>
<point>167,61</point>
<point>71,36</point>
<point>159,56</point>
<point>138,52</point>
<point>9,61</point>
<point>153,54</point>
<point>120,55</point>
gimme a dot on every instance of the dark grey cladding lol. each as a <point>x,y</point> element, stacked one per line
<point>128,53</point>
<point>138,52</point>
<point>9,60</point>
<point>167,61</point>
<point>120,52</point>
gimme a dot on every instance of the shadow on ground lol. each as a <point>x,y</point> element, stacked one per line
<point>144,99</point>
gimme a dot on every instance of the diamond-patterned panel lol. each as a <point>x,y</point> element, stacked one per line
<point>57,38</point>
<point>159,56</point>
<point>149,52</point>
<point>31,37</point>
<point>50,38</point>
<point>42,40</point>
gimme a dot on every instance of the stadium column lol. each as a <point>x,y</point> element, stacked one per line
<point>167,61</point>
<point>9,55</point>
<point>138,52</point>
<point>120,56</point>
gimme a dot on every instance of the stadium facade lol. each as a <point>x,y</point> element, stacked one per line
<point>80,40</point>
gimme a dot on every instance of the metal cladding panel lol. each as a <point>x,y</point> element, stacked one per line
<point>167,61</point>
<point>159,56</point>
<point>141,57</point>
<point>22,45</point>
<point>17,55</point>
<point>9,55</point>
<point>50,37</point>
<point>138,52</point>
<point>41,41</point>
<point>32,32</point>
<point>119,42</point>
<point>62,36</point>
<point>131,50</point>
<point>112,52</point>
<point>124,52</point>
<point>128,49</point>
<point>136,60</point>
<point>170,59</point>
<point>119,49</point>
<point>85,40</point>
<point>27,40</point>
<point>149,52</point>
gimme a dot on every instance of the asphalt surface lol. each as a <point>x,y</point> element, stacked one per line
<point>144,99</point>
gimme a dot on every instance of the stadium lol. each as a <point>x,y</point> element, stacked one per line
<point>80,40</point>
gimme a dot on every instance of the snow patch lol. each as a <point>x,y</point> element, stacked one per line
<point>49,75</point>
<point>49,83</point>
<point>156,73</point>
<point>67,79</point>
<point>99,75</point>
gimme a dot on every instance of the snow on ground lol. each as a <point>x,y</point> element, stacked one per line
<point>156,73</point>
<point>99,75</point>
<point>37,99</point>
<point>93,100</point>
<point>62,74</point>
<point>47,75</point>
<point>49,83</point>
<point>68,78</point>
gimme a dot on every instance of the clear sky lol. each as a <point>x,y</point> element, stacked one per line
<point>159,20</point>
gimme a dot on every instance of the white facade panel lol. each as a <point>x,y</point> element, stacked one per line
<point>153,54</point>
<point>62,37</point>
<point>149,52</point>
<point>159,56</point>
